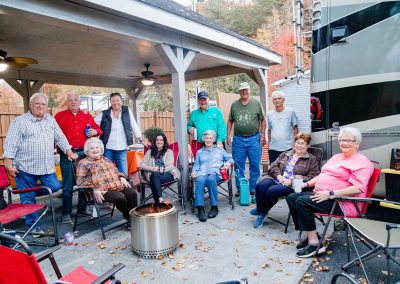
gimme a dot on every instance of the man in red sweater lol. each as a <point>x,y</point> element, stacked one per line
<point>73,122</point>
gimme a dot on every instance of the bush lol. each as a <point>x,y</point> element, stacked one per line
<point>151,132</point>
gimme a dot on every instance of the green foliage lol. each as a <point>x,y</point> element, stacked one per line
<point>151,132</point>
<point>243,17</point>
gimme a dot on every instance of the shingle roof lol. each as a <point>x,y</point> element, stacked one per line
<point>177,9</point>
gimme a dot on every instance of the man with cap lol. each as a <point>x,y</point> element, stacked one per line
<point>247,116</point>
<point>282,127</point>
<point>206,118</point>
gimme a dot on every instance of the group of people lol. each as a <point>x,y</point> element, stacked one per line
<point>29,153</point>
<point>29,157</point>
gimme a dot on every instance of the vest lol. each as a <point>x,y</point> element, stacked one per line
<point>106,121</point>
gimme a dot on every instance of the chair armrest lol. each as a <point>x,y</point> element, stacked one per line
<point>392,226</point>
<point>46,253</point>
<point>36,188</point>
<point>109,274</point>
<point>364,199</point>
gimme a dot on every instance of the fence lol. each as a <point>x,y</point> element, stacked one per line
<point>148,119</point>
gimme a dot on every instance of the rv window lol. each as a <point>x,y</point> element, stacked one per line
<point>338,34</point>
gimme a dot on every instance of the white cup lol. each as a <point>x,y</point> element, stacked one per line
<point>195,134</point>
<point>297,182</point>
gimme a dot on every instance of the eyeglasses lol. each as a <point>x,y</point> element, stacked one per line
<point>300,143</point>
<point>348,141</point>
<point>277,99</point>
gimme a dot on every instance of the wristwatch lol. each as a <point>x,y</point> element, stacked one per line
<point>331,194</point>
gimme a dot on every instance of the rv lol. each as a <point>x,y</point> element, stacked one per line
<point>355,75</point>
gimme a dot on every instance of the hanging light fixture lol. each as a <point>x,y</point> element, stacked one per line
<point>3,66</point>
<point>147,81</point>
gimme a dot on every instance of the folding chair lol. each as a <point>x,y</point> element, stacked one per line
<point>318,153</point>
<point>224,186</point>
<point>379,236</point>
<point>360,209</point>
<point>20,267</point>
<point>88,193</point>
<point>15,211</point>
<point>175,194</point>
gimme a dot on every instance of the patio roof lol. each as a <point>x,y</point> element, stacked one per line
<point>101,43</point>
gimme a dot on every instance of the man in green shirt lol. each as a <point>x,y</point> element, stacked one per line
<point>248,118</point>
<point>206,118</point>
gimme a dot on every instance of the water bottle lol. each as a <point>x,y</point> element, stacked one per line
<point>161,169</point>
<point>87,130</point>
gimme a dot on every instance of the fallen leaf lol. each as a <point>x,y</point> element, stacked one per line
<point>164,263</point>
<point>254,273</point>
<point>101,245</point>
<point>309,279</point>
<point>265,265</point>
<point>143,274</point>
<point>160,257</point>
<point>171,255</point>
<point>184,278</point>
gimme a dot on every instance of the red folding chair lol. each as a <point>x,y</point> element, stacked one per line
<point>167,188</point>
<point>361,208</point>
<point>15,211</point>
<point>224,186</point>
<point>21,267</point>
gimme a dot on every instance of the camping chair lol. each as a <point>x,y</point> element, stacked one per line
<point>166,187</point>
<point>15,211</point>
<point>318,153</point>
<point>88,193</point>
<point>224,186</point>
<point>20,267</point>
<point>379,236</point>
<point>360,209</point>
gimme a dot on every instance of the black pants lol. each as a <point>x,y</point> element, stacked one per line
<point>268,193</point>
<point>303,208</point>
<point>273,155</point>
<point>156,180</point>
<point>125,200</point>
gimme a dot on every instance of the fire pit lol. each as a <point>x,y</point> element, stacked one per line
<point>154,229</point>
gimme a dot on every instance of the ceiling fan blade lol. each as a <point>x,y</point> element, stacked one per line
<point>16,65</point>
<point>22,60</point>
<point>134,76</point>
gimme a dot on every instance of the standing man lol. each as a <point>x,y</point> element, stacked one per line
<point>73,123</point>
<point>282,127</point>
<point>206,118</point>
<point>29,152</point>
<point>249,135</point>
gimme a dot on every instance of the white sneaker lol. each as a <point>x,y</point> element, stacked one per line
<point>37,232</point>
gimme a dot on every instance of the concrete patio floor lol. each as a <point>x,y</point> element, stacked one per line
<point>221,249</point>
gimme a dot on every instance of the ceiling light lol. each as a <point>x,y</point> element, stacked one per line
<point>3,66</point>
<point>147,82</point>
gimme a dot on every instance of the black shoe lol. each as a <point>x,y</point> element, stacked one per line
<point>237,193</point>
<point>304,243</point>
<point>213,212</point>
<point>201,213</point>
<point>85,212</point>
<point>310,250</point>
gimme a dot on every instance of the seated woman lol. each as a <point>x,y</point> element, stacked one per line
<point>158,163</point>
<point>206,172</point>
<point>345,174</point>
<point>97,172</point>
<point>294,162</point>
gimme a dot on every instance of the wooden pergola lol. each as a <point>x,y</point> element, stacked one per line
<point>101,43</point>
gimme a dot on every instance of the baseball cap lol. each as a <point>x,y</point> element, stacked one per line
<point>202,95</point>
<point>243,85</point>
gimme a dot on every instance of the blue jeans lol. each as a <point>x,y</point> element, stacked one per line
<point>119,158</point>
<point>267,194</point>
<point>68,184</point>
<point>25,180</point>
<point>243,148</point>
<point>211,182</point>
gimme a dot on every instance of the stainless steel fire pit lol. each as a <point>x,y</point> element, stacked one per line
<point>154,229</point>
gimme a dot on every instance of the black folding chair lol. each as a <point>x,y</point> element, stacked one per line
<point>89,195</point>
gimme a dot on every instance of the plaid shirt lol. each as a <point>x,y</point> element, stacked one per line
<point>101,174</point>
<point>30,142</point>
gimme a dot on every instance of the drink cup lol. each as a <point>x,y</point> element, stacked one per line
<point>195,134</point>
<point>297,182</point>
<point>224,174</point>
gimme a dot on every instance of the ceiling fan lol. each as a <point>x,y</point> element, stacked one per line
<point>147,77</point>
<point>14,62</point>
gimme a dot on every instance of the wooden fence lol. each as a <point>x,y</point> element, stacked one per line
<point>148,119</point>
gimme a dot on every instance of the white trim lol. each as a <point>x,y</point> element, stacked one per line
<point>353,2</point>
<point>353,81</point>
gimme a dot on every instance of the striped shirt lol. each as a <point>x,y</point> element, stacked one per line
<point>30,142</point>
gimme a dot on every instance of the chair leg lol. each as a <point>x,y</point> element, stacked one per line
<point>287,222</point>
<point>348,243</point>
<point>53,214</point>
<point>76,215</point>
<point>180,195</point>
<point>142,194</point>
<point>321,241</point>
<point>230,194</point>
<point>96,207</point>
